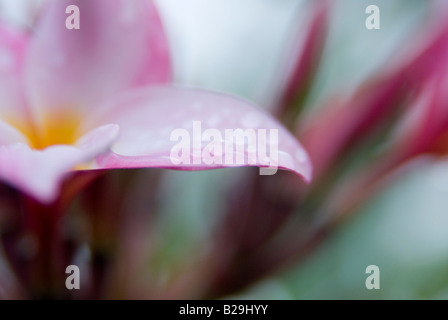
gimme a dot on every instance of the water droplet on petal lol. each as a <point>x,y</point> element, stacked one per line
<point>213,121</point>
<point>301,156</point>
<point>197,106</point>
<point>251,120</point>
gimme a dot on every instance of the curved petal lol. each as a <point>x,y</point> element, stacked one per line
<point>120,44</point>
<point>39,173</point>
<point>13,46</point>
<point>9,134</point>
<point>187,129</point>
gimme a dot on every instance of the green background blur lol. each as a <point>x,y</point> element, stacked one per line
<point>237,46</point>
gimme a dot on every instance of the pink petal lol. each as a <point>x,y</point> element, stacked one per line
<point>334,129</point>
<point>40,173</point>
<point>9,134</point>
<point>13,45</point>
<point>148,117</point>
<point>120,45</point>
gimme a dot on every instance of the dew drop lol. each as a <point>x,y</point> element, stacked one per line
<point>251,120</point>
<point>213,121</point>
<point>301,156</point>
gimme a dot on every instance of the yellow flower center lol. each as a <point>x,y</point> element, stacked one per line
<point>54,129</point>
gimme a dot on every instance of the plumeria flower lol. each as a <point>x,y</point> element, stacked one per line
<point>90,99</point>
<point>78,102</point>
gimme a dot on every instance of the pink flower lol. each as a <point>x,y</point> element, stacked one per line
<point>96,98</point>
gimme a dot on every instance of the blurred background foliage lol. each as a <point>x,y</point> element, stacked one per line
<point>238,47</point>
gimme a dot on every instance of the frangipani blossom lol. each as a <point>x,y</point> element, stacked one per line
<point>76,103</point>
<point>91,99</point>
